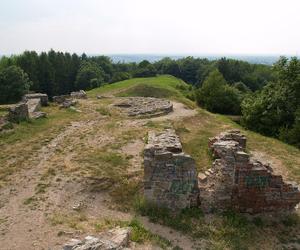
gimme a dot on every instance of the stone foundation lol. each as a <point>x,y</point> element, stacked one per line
<point>145,106</point>
<point>170,177</point>
<point>237,182</point>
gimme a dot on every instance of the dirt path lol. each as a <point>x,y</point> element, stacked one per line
<point>179,111</point>
<point>40,190</point>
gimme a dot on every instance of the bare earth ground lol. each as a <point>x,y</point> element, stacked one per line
<point>48,201</point>
<point>76,178</point>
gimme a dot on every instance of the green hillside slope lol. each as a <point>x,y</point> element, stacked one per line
<point>99,150</point>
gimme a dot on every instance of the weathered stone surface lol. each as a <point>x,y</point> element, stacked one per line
<point>246,185</point>
<point>34,105</point>
<point>116,239</point>
<point>68,103</point>
<point>43,97</point>
<point>79,94</point>
<point>145,106</point>
<point>60,99</point>
<point>170,177</point>
<point>38,115</point>
<point>18,112</point>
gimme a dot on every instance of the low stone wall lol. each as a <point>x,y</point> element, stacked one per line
<point>246,185</point>
<point>145,106</point>
<point>42,97</point>
<point>170,177</point>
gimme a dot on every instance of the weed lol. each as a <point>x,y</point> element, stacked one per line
<point>104,111</point>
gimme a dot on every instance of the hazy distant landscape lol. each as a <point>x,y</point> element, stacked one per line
<point>260,59</point>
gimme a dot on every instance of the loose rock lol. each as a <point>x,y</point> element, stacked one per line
<point>117,239</point>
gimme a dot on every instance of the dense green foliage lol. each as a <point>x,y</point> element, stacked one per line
<point>269,94</point>
<point>217,96</point>
<point>14,83</point>
<point>275,110</point>
<point>57,73</point>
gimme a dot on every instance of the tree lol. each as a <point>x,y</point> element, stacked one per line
<point>148,71</point>
<point>28,61</point>
<point>14,83</point>
<point>120,76</point>
<point>274,110</point>
<point>217,96</point>
<point>89,76</point>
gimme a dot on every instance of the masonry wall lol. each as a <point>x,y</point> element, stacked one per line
<point>246,185</point>
<point>170,177</point>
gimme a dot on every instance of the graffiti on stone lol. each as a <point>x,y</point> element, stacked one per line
<point>182,187</point>
<point>257,181</point>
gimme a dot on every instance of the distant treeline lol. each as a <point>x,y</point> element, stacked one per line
<point>267,97</point>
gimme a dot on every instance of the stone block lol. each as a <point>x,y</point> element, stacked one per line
<point>18,112</point>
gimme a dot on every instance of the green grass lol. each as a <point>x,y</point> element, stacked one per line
<point>162,86</point>
<point>227,230</point>
<point>138,233</point>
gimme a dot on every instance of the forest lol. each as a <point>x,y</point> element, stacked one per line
<point>267,98</point>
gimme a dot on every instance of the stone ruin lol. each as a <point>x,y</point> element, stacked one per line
<point>79,94</point>
<point>235,180</point>
<point>67,101</point>
<point>145,106</point>
<point>43,98</point>
<point>241,183</point>
<point>117,239</point>
<point>18,112</point>
<point>170,177</point>
<point>28,108</point>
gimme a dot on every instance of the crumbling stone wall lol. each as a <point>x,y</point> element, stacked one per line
<point>238,182</point>
<point>170,177</point>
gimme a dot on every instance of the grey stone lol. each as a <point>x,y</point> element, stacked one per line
<point>42,97</point>
<point>18,112</point>
<point>145,106</point>
<point>60,99</point>
<point>117,239</point>
<point>79,94</point>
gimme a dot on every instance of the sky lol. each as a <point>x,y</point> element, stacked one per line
<point>249,27</point>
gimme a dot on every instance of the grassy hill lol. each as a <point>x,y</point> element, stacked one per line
<point>99,151</point>
<point>165,86</point>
